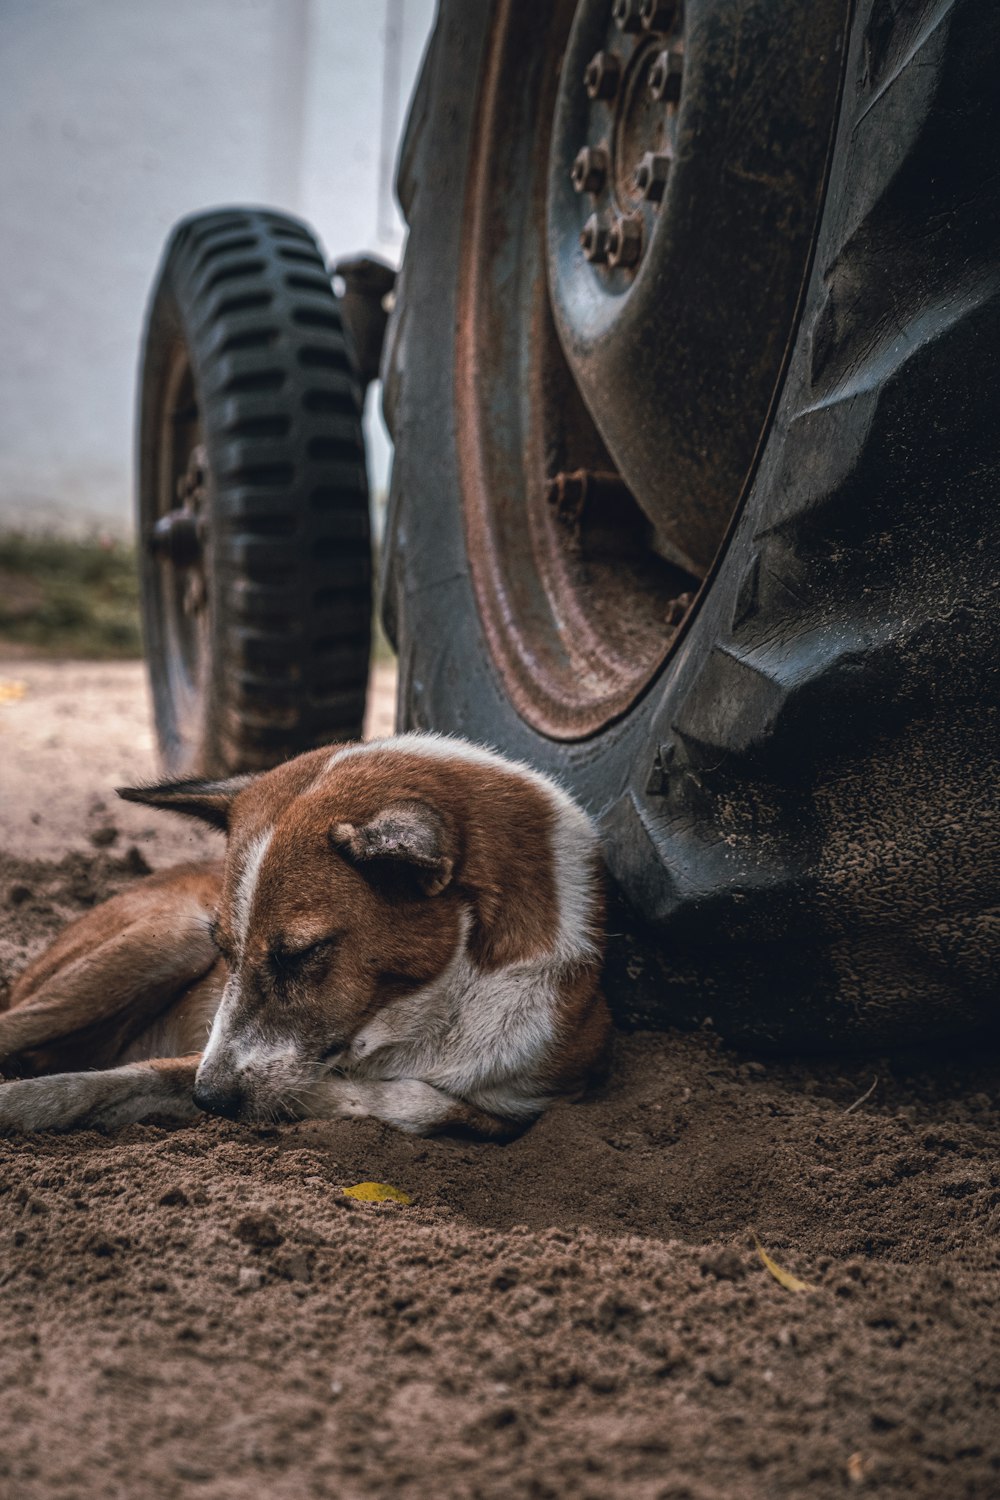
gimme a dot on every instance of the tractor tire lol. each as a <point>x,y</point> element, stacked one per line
<point>252,491</point>
<point>767,663</point>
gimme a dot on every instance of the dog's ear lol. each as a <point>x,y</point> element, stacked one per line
<point>406,838</point>
<point>208,800</point>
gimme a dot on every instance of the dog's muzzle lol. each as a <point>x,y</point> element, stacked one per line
<point>228,1099</point>
<point>250,1078</point>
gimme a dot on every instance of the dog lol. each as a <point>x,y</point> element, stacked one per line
<point>409,929</point>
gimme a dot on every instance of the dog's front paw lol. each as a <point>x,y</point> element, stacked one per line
<point>58,1101</point>
<point>26,1104</point>
<point>114,1097</point>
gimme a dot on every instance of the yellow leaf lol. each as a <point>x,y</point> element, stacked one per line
<point>11,689</point>
<point>377,1192</point>
<point>792,1283</point>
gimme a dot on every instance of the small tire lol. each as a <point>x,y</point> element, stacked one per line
<point>252,490</point>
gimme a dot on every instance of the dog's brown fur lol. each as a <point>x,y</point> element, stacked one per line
<point>350,885</point>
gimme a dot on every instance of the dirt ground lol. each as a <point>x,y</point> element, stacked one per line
<point>200,1311</point>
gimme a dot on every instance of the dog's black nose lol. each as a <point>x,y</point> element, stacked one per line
<point>219,1099</point>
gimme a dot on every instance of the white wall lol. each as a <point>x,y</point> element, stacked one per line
<point>116,118</point>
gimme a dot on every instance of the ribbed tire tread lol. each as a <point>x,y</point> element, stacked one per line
<point>248,293</point>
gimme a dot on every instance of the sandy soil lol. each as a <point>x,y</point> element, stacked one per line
<point>199,1311</point>
<point>70,732</point>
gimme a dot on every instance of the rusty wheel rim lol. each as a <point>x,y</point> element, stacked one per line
<point>578,607</point>
<point>636,242</point>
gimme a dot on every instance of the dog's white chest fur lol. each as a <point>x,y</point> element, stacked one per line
<point>479,1035</point>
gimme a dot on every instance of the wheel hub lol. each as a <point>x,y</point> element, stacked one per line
<point>629,93</point>
<point>178,540</point>
<point>178,537</point>
<point>686,167</point>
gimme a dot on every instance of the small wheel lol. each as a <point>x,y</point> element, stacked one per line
<point>252,497</point>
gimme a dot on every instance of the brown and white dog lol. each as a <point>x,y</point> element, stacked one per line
<point>410,929</point>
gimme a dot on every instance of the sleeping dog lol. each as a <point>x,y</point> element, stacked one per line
<point>410,929</point>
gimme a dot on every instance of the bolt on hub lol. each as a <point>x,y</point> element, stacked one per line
<point>602,74</point>
<point>594,240</point>
<point>651,175</point>
<point>657,15</point>
<point>590,169</point>
<point>665,76</point>
<point>626,15</point>
<point>625,241</point>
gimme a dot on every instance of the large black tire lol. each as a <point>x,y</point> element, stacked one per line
<point>252,497</point>
<point>800,807</point>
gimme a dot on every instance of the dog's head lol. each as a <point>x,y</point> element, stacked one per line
<point>324,920</point>
<point>349,887</point>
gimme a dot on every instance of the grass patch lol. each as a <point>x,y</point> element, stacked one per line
<point>81,598</point>
<point>69,598</point>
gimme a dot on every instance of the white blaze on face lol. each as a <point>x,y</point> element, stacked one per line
<point>246,886</point>
<point>220,1023</point>
<point>220,1037</point>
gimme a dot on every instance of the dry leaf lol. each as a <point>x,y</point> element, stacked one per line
<point>787,1280</point>
<point>377,1192</point>
<point>856,1467</point>
<point>11,689</point>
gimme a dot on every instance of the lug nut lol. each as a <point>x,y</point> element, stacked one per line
<point>176,537</point>
<point>589,169</point>
<point>665,76</point>
<point>624,242</point>
<point>650,175</point>
<point>601,75</point>
<point>626,15</point>
<point>594,240</point>
<point>656,15</point>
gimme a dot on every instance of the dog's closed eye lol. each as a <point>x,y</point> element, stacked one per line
<point>287,961</point>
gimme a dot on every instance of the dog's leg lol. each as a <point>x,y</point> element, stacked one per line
<point>407,1103</point>
<point>110,973</point>
<point>114,1096</point>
